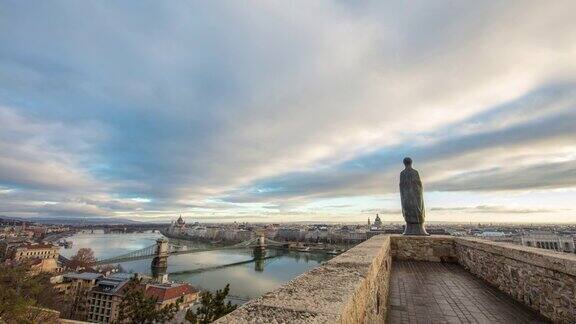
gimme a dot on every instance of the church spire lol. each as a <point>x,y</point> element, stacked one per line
<point>378,221</point>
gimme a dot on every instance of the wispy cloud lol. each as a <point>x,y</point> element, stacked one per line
<point>150,109</point>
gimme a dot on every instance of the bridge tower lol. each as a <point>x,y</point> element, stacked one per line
<point>259,252</point>
<point>160,260</point>
<point>262,241</point>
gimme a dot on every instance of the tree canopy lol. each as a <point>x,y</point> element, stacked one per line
<point>135,307</point>
<point>22,296</point>
<point>213,306</point>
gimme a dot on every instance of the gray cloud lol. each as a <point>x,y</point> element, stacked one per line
<point>496,210</point>
<point>280,103</point>
<point>489,159</point>
<point>541,176</point>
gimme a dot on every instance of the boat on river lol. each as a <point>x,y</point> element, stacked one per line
<point>65,244</point>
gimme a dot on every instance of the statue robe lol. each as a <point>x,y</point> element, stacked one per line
<point>411,196</point>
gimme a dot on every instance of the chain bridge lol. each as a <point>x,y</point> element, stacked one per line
<point>162,250</point>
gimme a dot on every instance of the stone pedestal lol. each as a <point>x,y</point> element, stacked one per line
<point>415,229</point>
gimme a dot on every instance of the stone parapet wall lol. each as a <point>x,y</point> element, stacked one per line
<point>354,287</point>
<point>438,248</point>
<point>351,288</point>
<point>540,279</point>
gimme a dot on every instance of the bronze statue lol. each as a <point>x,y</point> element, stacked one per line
<point>412,200</point>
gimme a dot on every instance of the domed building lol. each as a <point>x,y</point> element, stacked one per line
<point>178,227</point>
<point>378,222</point>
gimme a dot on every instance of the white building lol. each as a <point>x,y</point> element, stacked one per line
<point>178,227</point>
<point>550,241</point>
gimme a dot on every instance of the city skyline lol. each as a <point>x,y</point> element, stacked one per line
<point>287,111</point>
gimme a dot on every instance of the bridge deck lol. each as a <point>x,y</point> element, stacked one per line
<point>150,251</point>
<point>430,292</point>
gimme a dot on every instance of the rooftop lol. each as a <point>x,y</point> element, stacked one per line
<point>165,292</point>
<point>38,246</point>
<point>110,285</point>
<point>83,275</point>
<point>121,275</point>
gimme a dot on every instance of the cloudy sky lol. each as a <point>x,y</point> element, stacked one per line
<point>287,110</point>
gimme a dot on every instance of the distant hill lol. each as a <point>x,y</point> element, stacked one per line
<point>70,220</point>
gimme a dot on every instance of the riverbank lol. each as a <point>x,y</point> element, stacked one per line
<point>51,238</point>
<point>303,247</point>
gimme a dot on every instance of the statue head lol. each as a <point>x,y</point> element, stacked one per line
<point>407,162</point>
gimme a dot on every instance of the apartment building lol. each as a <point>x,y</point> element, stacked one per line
<point>35,251</point>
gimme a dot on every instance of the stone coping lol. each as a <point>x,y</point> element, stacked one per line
<point>321,295</point>
<point>555,261</point>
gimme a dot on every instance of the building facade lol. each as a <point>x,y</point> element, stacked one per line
<point>550,241</point>
<point>40,257</point>
<point>104,299</point>
<point>35,251</point>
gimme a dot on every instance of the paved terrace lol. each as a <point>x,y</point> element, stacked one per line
<point>433,292</point>
<point>434,279</point>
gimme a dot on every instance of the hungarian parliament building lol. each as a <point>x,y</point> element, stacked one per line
<point>203,232</point>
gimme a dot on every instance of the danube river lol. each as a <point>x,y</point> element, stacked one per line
<point>204,270</point>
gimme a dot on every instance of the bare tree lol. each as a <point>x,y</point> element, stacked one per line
<point>84,258</point>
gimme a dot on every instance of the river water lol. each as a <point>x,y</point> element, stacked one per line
<point>204,270</point>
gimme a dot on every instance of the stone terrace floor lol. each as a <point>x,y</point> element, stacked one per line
<point>431,292</point>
